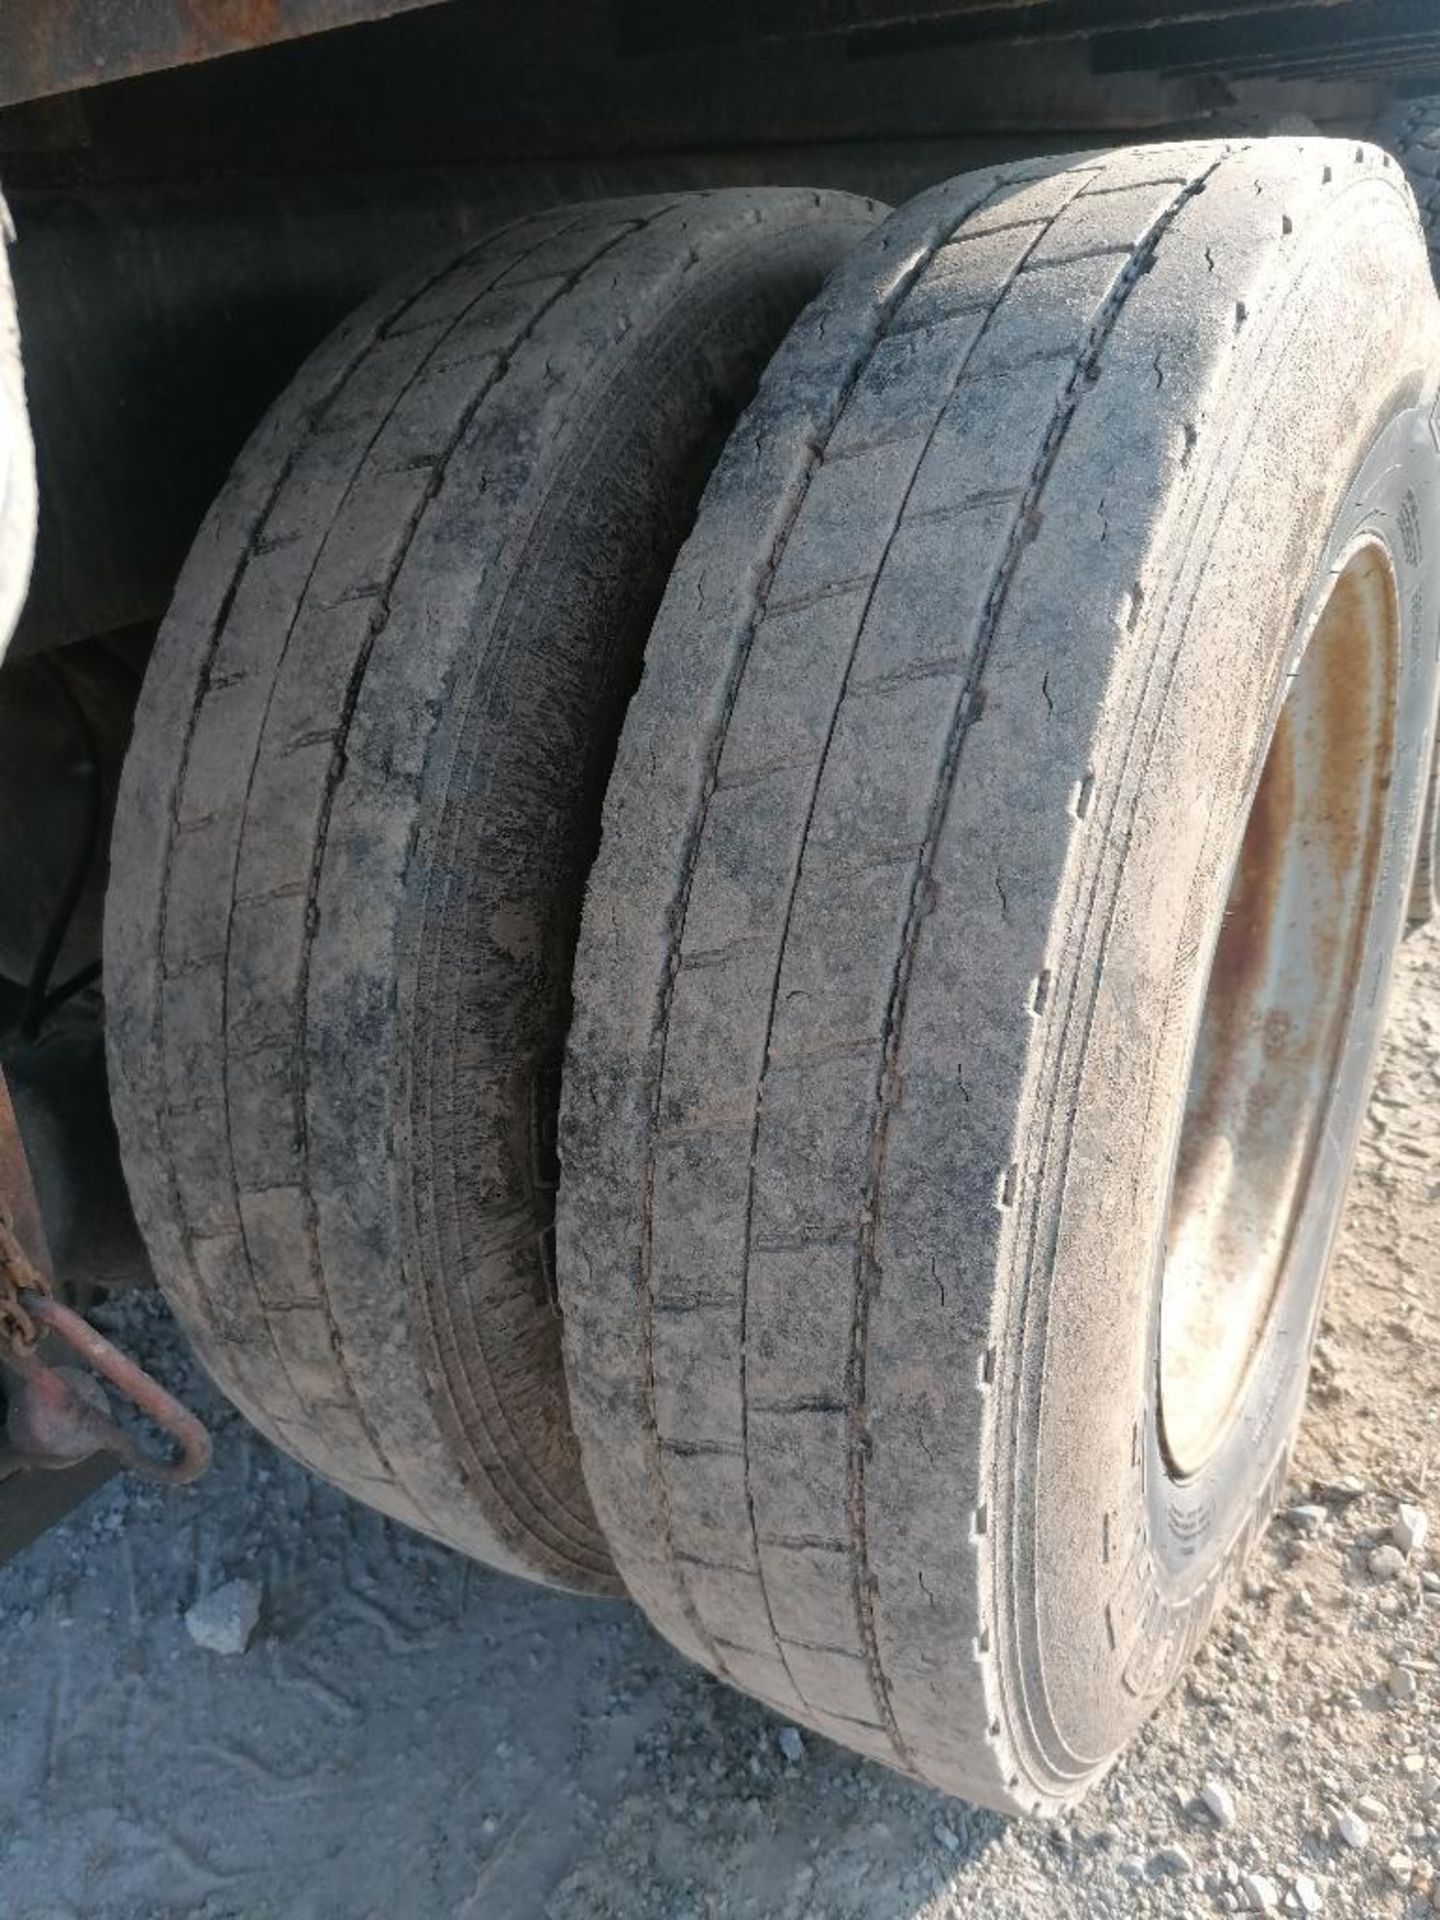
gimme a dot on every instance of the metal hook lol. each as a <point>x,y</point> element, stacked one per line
<point>59,1416</point>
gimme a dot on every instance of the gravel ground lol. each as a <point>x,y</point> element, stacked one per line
<point>407,1735</point>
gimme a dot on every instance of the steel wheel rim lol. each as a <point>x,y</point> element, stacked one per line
<point>1281,988</point>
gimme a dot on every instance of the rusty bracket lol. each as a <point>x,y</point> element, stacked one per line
<point>59,1415</point>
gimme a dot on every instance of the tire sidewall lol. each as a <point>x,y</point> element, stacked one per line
<point>1109,1569</point>
<point>1394,501</point>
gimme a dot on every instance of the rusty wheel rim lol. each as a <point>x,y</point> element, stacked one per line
<point>1282,986</point>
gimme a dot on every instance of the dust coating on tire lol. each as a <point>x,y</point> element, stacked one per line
<point>363,791</point>
<point>1411,131</point>
<point>916,860</point>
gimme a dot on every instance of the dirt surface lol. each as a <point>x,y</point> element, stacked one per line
<point>407,1735</point>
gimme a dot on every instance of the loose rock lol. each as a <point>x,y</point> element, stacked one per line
<point>1260,1892</point>
<point>1219,1803</point>
<point>790,1744</point>
<point>1352,1829</point>
<point>224,1620</point>
<point>1307,1518</point>
<point>1401,1683</point>
<point>1172,1859</point>
<point>1411,1529</point>
<point>1386,1562</point>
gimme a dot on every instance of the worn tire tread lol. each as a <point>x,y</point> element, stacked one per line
<point>729,1461</point>
<point>250,975</point>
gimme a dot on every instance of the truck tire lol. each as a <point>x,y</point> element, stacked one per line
<point>361,798</point>
<point>1000,878</point>
<point>1411,131</point>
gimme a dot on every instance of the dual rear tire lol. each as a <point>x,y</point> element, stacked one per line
<point>984,957</point>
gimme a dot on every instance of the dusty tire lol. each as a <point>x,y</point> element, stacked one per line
<point>363,790</point>
<point>914,862</point>
<point>1412,133</point>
